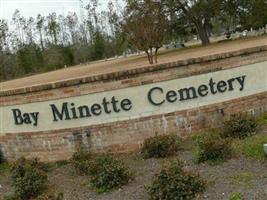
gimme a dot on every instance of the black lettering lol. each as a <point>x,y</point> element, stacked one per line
<point>114,102</point>
<point>105,104</point>
<point>241,81</point>
<point>187,93</point>
<point>203,90</point>
<point>73,110</point>
<point>59,115</point>
<point>35,118</point>
<point>26,118</point>
<point>126,104</point>
<point>150,96</point>
<point>222,86</point>
<point>17,116</point>
<point>84,111</point>
<point>230,84</point>
<point>212,84</point>
<point>171,96</point>
<point>96,109</point>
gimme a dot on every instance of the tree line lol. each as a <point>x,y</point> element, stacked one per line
<point>45,43</point>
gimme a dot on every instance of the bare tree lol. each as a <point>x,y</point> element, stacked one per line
<point>92,22</point>
<point>3,35</point>
<point>53,27</point>
<point>29,30</point>
<point>18,22</point>
<point>64,37</point>
<point>72,22</point>
<point>40,27</point>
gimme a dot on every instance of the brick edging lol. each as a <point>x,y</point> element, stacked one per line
<point>132,72</point>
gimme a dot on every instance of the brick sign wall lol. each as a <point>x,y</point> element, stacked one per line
<point>118,111</point>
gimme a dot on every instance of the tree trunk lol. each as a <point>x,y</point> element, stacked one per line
<point>72,37</point>
<point>202,33</point>
<point>41,40</point>
<point>55,37</point>
<point>156,55</point>
<point>149,57</point>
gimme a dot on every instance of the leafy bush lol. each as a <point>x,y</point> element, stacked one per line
<point>211,147</point>
<point>174,183</point>
<point>107,173</point>
<point>45,196</point>
<point>240,126</point>
<point>29,178</point>
<point>80,161</point>
<point>160,146</point>
<point>236,196</point>
<point>4,169</point>
<point>10,197</point>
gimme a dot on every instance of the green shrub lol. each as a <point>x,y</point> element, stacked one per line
<point>45,196</point>
<point>4,169</point>
<point>211,147</point>
<point>10,197</point>
<point>160,146</point>
<point>174,183</point>
<point>29,178</point>
<point>107,173</point>
<point>80,161</point>
<point>236,196</point>
<point>239,126</point>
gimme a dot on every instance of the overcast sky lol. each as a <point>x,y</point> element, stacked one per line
<point>33,7</point>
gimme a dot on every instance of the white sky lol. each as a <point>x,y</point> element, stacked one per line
<point>34,7</point>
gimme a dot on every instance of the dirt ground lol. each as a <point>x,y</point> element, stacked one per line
<point>246,176</point>
<point>237,175</point>
<point>119,64</point>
